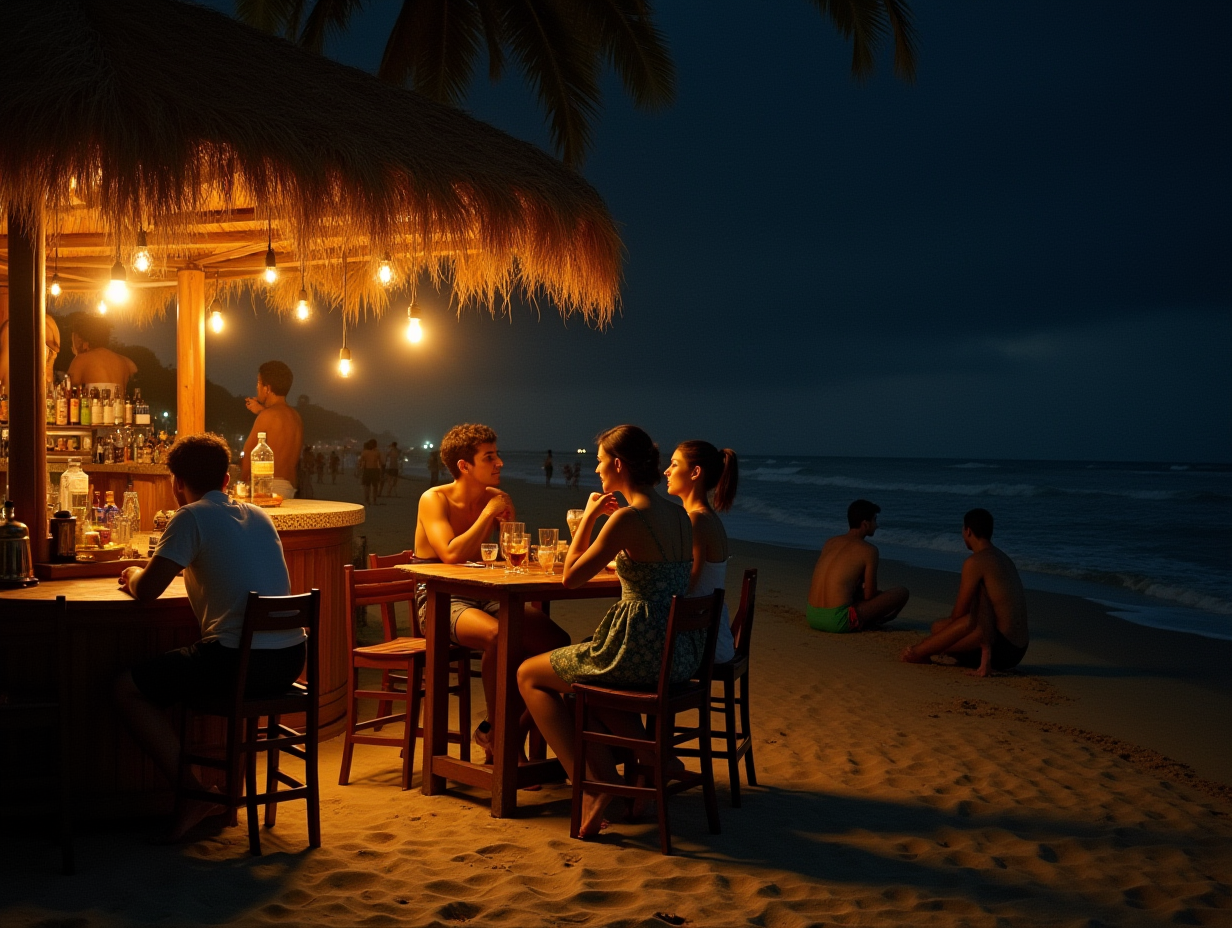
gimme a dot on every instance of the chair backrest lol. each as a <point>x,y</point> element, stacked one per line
<point>742,621</point>
<point>701,613</point>
<point>40,632</point>
<point>281,614</point>
<point>389,618</point>
<point>384,587</point>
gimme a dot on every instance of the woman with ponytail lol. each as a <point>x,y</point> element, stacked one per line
<point>698,469</point>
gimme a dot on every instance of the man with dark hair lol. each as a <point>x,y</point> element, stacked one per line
<point>843,595</point>
<point>987,628</point>
<point>453,521</point>
<point>93,362</point>
<point>283,428</point>
<point>225,549</point>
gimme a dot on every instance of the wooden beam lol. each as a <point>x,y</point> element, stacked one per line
<point>28,391</point>
<point>190,352</point>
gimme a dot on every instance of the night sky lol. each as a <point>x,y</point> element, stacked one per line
<point>1025,254</point>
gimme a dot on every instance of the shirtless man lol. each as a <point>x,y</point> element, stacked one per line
<point>94,362</point>
<point>843,596</point>
<point>987,629</point>
<point>453,521</point>
<point>283,428</point>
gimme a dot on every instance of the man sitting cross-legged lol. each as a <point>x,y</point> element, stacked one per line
<point>987,629</point>
<point>454,520</point>
<point>226,549</point>
<point>843,595</point>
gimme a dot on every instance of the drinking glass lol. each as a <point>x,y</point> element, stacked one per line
<point>562,550</point>
<point>547,558</point>
<point>574,518</point>
<point>515,553</point>
<point>489,552</point>
<point>548,537</point>
<point>532,561</point>
<point>507,530</point>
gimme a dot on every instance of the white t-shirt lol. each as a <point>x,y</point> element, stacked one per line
<point>228,549</point>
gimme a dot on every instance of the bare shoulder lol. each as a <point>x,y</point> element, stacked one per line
<point>433,501</point>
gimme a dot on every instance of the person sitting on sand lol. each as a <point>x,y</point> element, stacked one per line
<point>843,595</point>
<point>696,470</point>
<point>453,521</point>
<point>226,549</point>
<point>651,541</point>
<point>987,629</point>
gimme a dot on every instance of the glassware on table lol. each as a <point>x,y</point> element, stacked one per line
<point>562,551</point>
<point>548,537</point>
<point>506,530</point>
<point>515,552</point>
<point>532,560</point>
<point>547,558</point>
<point>574,519</point>
<point>488,552</point>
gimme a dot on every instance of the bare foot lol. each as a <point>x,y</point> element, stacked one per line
<point>593,821</point>
<point>911,657</point>
<point>484,740</point>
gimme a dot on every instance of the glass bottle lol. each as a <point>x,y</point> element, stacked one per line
<point>74,407</point>
<point>96,407</point>
<point>4,403</point>
<point>110,510</point>
<point>75,489</point>
<point>51,405</point>
<point>262,468</point>
<point>61,406</point>
<point>128,410</point>
<point>141,410</point>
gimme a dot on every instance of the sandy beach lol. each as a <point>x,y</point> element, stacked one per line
<point>1091,787</point>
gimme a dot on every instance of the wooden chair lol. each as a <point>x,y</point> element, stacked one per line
<point>702,613</point>
<point>245,739</point>
<point>400,659</point>
<point>389,621</point>
<point>738,740</point>
<point>33,700</point>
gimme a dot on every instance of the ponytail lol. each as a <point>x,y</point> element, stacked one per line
<point>720,470</point>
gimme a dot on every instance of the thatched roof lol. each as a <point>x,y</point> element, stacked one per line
<point>156,114</point>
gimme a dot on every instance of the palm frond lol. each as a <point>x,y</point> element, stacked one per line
<point>635,48</point>
<point>327,17</point>
<point>560,67</point>
<point>489,14</point>
<point>867,23</point>
<point>433,44</point>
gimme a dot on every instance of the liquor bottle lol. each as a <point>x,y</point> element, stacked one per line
<point>51,405</point>
<point>262,467</point>
<point>96,407</point>
<point>86,419</point>
<point>74,407</point>
<point>117,407</point>
<point>128,410</point>
<point>141,410</point>
<point>96,514</point>
<point>4,404</point>
<point>110,510</point>
<point>108,409</point>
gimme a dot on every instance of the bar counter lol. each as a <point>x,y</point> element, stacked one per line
<point>109,631</point>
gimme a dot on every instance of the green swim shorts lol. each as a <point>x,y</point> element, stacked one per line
<point>839,619</point>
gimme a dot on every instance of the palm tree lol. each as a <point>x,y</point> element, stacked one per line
<point>560,46</point>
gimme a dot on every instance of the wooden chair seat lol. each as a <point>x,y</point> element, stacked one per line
<point>395,650</point>
<point>702,613</point>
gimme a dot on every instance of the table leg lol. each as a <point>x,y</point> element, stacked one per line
<point>505,748</point>
<point>436,703</point>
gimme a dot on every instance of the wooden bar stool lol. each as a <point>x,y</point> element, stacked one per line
<point>245,739</point>
<point>702,613</point>
<point>401,660</point>
<point>738,740</point>
<point>34,700</point>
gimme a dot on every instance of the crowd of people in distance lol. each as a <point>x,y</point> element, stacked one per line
<point>658,549</point>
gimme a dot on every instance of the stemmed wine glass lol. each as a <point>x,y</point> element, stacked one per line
<point>489,552</point>
<point>573,519</point>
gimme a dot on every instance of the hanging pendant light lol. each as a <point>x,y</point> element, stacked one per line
<point>102,307</point>
<point>141,257</point>
<point>344,362</point>
<point>385,273</point>
<point>218,322</point>
<point>117,287</point>
<point>303,309</point>
<point>344,356</point>
<point>414,328</point>
<point>271,263</point>
<point>54,287</point>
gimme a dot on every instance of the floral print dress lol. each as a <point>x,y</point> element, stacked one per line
<point>626,650</point>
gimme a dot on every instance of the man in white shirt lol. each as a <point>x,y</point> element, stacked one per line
<point>226,549</point>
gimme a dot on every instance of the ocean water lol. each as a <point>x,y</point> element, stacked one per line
<point>1150,541</point>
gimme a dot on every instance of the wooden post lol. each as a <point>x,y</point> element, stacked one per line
<point>28,391</point>
<point>190,352</point>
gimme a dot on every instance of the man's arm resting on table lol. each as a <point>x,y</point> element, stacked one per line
<point>146,584</point>
<point>453,548</point>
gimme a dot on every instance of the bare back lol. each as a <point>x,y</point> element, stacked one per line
<point>284,433</point>
<point>1001,588</point>
<point>102,365</point>
<point>840,577</point>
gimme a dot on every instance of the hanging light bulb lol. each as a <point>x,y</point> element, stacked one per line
<point>55,289</point>
<point>141,257</point>
<point>302,309</point>
<point>414,329</point>
<point>217,322</point>
<point>344,362</point>
<point>117,287</point>
<point>102,307</point>
<point>271,267</point>
<point>385,273</point>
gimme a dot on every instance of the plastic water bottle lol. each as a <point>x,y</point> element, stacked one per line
<point>262,468</point>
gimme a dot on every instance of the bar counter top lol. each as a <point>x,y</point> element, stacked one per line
<point>297,515</point>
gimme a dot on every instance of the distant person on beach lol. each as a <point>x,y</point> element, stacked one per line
<point>371,467</point>
<point>93,362</point>
<point>547,469</point>
<point>393,469</point>
<point>434,468</point>
<point>225,548</point>
<point>987,628</point>
<point>453,521</point>
<point>335,466</point>
<point>283,428</point>
<point>697,473</point>
<point>320,466</point>
<point>843,595</point>
<point>308,464</point>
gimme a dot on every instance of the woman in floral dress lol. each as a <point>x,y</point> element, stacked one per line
<point>652,544</point>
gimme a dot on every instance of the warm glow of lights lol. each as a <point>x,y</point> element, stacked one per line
<point>55,289</point>
<point>117,287</point>
<point>385,273</point>
<point>271,267</point>
<point>414,331</point>
<point>302,309</point>
<point>217,322</point>
<point>344,362</point>
<point>102,307</point>
<point>141,257</point>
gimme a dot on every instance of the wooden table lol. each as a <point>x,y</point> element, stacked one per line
<point>513,592</point>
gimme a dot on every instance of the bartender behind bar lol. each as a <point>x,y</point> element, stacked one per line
<point>283,428</point>
<point>95,364</point>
